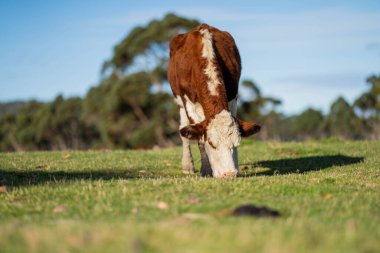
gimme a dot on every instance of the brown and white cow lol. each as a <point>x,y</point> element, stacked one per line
<point>204,72</point>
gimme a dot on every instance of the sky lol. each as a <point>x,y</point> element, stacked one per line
<point>306,53</point>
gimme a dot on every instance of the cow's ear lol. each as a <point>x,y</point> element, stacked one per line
<point>247,128</point>
<point>192,132</point>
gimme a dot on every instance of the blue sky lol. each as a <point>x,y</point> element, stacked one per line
<point>306,53</point>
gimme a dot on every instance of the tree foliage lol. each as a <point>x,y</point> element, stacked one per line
<point>308,124</point>
<point>342,120</point>
<point>368,106</point>
<point>55,125</point>
<point>132,113</point>
<point>146,48</point>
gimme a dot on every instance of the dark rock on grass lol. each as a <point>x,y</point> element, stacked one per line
<point>257,211</point>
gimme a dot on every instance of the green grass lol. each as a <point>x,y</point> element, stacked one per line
<point>328,193</point>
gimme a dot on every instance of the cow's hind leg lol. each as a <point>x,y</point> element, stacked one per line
<point>206,170</point>
<point>187,159</point>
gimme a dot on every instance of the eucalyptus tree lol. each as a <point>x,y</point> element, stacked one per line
<point>131,106</point>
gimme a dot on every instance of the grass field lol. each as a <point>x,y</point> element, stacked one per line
<point>328,194</point>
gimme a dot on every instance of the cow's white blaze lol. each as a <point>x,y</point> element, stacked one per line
<point>222,139</point>
<point>210,70</point>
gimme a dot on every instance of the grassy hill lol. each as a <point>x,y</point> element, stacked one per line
<point>328,194</point>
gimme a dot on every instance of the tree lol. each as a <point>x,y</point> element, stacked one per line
<point>55,125</point>
<point>146,48</point>
<point>259,108</point>
<point>256,105</point>
<point>308,124</point>
<point>130,107</point>
<point>368,106</point>
<point>374,82</point>
<point>342,121</point>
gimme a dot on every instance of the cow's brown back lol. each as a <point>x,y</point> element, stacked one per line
<point>186,72</point>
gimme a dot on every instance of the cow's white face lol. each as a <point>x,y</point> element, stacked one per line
<point>221,139</point>
<point>221,135</point>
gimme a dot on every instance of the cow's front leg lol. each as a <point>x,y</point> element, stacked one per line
<point>206,170</point>
<point>187,159</point>
<point>232,106</point>
<point>235,157</point>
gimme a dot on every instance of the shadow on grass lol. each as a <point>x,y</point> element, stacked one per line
<point>25,178</point>
<point>276,167</point>
<point>299,165</point>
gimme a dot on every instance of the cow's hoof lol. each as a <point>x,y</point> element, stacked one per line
<point>229,175</point>
<point>188,168</point>
<point>206,172</point>
<point>188,172</point>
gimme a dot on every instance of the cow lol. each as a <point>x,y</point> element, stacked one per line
<point>203,72</point>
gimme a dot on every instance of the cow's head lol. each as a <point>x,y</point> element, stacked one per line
<point>221,135</point>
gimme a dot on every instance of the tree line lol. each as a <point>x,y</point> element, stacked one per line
<point>132,107</point>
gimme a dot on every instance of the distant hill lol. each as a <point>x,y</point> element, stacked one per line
<point>11,107</point>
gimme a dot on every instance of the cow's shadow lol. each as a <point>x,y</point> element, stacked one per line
<point>296,165</point>
<point>14,178</point>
